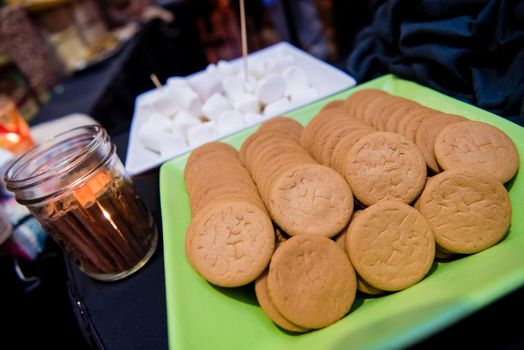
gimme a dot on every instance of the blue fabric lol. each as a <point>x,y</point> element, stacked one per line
<point>472,50</point>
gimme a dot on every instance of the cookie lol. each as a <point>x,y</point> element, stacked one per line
<point>385,166</point>
<point>335,104</point>
<point>340,238</point>
<point>366,288</point>
<point>477,145</point>
<point>390,245</point>
<point>311,281</point>
<point>230,243</point>
<point>468,210</point>
<point>284,125</point>
<point>322,120</point>
<point>427,133</point>
<point>269,308</point>
<point>341,150</point>
<point>310,199</point>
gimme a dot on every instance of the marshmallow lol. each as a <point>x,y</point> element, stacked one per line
<point>229,121</point>
<point>213,70</point>
<point>183,121</point>
<point>233,86</point>
<point>279,63</point>
<point>177,83</point>
<point>216,105</point>
<point>163,102</point>
<point>161,121</point>
<point>205,85</point>
<point>246,103</point>
<point>152,134</point>
<point>301,95</point>
<point>187,100</point>
<point>256,69</point>
<point>277,107</point>
<point>270,89</point>
<point>252,118</point>
<point>295,78</point>
<point>226,68</point>
<point>202,133</point>
<point>250,85</point>
<point>172,144</point>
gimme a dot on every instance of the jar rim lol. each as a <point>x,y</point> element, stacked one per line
<point>92,135</point>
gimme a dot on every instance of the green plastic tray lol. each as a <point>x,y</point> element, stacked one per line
<point>201,316</point>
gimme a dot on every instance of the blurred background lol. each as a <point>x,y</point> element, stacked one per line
<point>47,46</point>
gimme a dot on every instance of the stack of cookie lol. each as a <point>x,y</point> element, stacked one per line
<point>231,238</point>
<point>398,115</point>
<point>301,195</point>
<point>309,202</point>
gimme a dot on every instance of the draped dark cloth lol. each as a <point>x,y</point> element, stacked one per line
<point>472,50</point>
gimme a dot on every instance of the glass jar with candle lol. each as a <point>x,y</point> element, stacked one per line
<point>76,186</point>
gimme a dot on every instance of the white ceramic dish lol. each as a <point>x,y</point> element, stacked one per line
<point>326,79</point>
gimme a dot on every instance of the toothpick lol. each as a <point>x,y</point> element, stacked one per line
<point>243,34</point>
<point>155,80</point>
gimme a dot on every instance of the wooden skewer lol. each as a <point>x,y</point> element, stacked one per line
<point>243,35</point>
<point>155,80</point>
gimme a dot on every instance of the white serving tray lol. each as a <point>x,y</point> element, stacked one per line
<point>326,79</point>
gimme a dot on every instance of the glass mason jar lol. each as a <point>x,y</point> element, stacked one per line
<point>77,187</point>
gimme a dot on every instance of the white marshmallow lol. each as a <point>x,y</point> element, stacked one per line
<point>256,69</point>
<point>205,85</point>
<point>279,63</point>
<point>183,121</point>
<point>177,83</point>
<point>270,89</point>
<point>226,68</point>
<point>277,107</point>
<point>144,105</point>
<point>161,121</point>
<point>229,121</point>
<point>152,134</point>
<point>216,105</point>
<point>252,118</point>
<point>202,133</point>
<point>163,102</point>
<point>250,85</point>
<point>302,95</point>
<point>187,100</point>
<point>173,144</point>
<point>295,78</point>
<point>233,86</point>
<point>213,70</point>
<point>246,103</point>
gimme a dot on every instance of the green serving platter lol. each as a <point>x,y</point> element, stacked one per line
<point>202,316</point>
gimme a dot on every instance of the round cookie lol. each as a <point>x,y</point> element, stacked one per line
<point>366,288</point>
<point>477,145</point>
<point>310,199</point>
<point>385,166</point>
<point>230,243</point>
<point>311,281</point>
<point>390,245</point>
<point>284,125</point>
<point>468,210</point>
<point>335,104</point>
<point>427,133</point>
<point>269,308</point>
<point>339,155</point>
